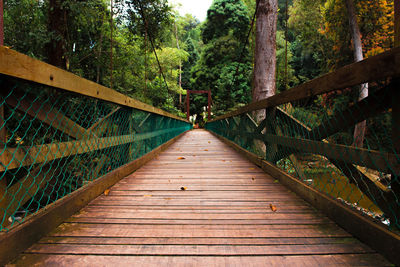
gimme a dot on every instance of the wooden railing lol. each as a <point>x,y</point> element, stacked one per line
<point>63,141</point>
<point>360,180</point>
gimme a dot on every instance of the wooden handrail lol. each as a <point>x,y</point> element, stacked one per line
<point>15,64</point>
<point>374,68</point>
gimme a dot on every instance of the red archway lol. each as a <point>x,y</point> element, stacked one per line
<point>188,92</point>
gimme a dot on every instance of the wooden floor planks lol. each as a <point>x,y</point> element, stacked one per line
<point>222,218</point>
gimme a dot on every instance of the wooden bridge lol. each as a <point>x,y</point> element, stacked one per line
<point>107,180</point>
<point>223,217</point>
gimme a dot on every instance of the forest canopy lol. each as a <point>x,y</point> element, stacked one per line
<point>157,54</point>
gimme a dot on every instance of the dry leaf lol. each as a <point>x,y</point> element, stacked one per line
<point>223,160</point>
<point>167,198</point>
<point>252,168</point>
<point>106,192</point>
<point>183,188</point>
<point>181,158</point>
<point>252,178</point>
<point>273,208</point>
<point>209,142</point>
<point>205,149</point>
<point>147,195</point>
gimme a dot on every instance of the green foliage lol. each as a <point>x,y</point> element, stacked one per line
<point>86,39</point>
<point>223,35</point>
<point>223,17</point>
<point>157,16</point>
<point>25,26</point>
<point>280,64</point>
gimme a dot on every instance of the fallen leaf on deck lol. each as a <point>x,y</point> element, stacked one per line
<point>106,192</point>
<point>181,158</point>
<point>273,208</point>
<point>252,168</point>
<point>223,160</point>
<point>148,195</point>
<point>252,178</point>
<point>205,149</point>
<point>167,198</point>
<point>276,181</point>
<point>183,188</point>
<point>209,142</point>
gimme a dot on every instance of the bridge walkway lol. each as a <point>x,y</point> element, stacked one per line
<point>199,203</point>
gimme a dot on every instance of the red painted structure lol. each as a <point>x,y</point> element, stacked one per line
<point>188,92</point>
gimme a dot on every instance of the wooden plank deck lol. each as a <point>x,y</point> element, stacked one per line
<point>223,218</point>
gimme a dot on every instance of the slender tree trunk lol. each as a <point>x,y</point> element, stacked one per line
<point>99,54</point>
<point>265,52</point>
<point>112,40</point>
<point>180,67</point>
<point>359,130</point>
<point>145,60</point>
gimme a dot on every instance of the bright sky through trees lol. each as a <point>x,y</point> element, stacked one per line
<point>197,8</point>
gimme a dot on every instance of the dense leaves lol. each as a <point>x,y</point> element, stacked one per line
<point>208,53</point>
<point>223,35</point>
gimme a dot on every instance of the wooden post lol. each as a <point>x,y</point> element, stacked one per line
<point>209,105</point>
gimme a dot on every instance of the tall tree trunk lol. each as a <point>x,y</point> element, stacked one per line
<point>145,61</point>
<point>359,130</point>
<point>180,67</point>
<point>265,52</point>
<point>112,40</point>
<point>56,48</point>
<point>100,46</point>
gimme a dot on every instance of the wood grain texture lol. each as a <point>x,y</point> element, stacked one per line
<point>222,218</point>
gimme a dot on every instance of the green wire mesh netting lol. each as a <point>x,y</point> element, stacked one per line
<point>313,140</point>
<point>55,142</point>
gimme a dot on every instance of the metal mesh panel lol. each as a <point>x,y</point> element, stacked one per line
<point>313,140</point>
<point>55,142</point>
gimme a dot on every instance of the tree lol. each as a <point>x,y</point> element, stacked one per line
<point>359,130</point>
<point>57,26</point>
<point>265,53</point>
<point>223,35</point>
<point>149,16</point>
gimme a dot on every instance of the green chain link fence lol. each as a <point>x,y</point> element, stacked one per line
<point>312,139</point>
<point>54,142</point>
